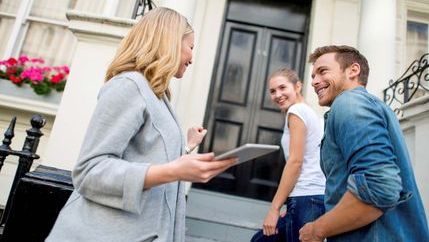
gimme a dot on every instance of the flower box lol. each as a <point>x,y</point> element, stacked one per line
<point>26,92</point>
<point>19,77</point>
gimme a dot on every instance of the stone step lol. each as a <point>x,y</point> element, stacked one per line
<point>219,217</point>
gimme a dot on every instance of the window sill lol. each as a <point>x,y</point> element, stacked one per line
<point>28,105</point>
<point>26,100</point>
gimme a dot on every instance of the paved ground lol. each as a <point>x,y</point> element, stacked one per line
<point>198,239</point>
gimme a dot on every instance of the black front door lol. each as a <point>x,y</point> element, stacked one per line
<point>239,110</point>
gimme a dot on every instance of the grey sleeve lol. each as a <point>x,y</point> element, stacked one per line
<point>101,175</point>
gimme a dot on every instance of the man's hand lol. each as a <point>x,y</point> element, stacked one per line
<point>308,233</point>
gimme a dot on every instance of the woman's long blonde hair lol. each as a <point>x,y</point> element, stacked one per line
<point>153,47</point>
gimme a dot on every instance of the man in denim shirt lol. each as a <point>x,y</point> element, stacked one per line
<point>371,194</point>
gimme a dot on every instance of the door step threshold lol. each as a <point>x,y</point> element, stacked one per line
<point>220,217</point>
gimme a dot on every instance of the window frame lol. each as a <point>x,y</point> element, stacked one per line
<point>22,20</point>
<point>416,17</point>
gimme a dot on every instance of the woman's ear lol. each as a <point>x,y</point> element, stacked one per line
<point>298,87</point>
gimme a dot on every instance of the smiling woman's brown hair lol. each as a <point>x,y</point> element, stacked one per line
<point>153,48</point>
<point>290,75</point>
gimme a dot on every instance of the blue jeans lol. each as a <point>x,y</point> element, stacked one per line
<point>300,210</point>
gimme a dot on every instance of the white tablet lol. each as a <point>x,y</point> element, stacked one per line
<point>248,152</point>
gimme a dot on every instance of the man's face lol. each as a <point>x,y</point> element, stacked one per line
<point>328,79</point>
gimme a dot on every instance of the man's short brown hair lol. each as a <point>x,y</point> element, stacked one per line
<point>345,56</point>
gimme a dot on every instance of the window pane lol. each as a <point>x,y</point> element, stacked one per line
<point>10,6</point>
<point>417,40</point>
<point>6,25</point>
<point>51,9</point>
<point>417,46</point>
<point>55,44</point>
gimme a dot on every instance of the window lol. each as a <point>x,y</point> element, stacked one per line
<point>43,32</point>
<point>8,11</point>
<point>417,39</point>
<point>38,29</point>
<point>417,45</point>
<point>47,35</point>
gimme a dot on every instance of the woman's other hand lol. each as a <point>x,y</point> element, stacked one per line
<point>200,167</point>
<point>195,136</point>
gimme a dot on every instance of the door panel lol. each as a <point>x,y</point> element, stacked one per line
<point>238,65</point>
<point>235,80</point>
<point>284,50</point>
<point>229,122</point>
<point>239,108</point>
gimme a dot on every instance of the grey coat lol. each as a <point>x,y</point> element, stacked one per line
<point>130,130</point>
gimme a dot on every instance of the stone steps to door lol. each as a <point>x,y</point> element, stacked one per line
<point>219,217</point>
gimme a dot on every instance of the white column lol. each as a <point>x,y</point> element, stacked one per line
<point>377,41</point>
<point>184,7</point>
<point>110,8</point>
<point>98,38</point>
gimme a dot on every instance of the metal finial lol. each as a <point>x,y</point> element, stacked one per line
<point>37,121</point>
<point>9,134</point>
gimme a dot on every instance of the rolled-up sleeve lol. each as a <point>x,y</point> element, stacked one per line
<point>361,130</point>
<point>101,174</point>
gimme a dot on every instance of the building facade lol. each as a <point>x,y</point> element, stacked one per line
<point>238,43</point>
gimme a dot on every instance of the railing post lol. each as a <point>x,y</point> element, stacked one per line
<point>26,157</point>
<point>8,136</point>
<point>140,7</point>
<point>406,91</point>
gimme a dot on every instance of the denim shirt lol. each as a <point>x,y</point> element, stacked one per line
<point>363,151</point>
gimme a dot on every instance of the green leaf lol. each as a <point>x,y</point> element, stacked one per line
<point>41,88</point>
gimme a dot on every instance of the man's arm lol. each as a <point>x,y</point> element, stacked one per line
<point>373,184</point>
<point>349,214</point>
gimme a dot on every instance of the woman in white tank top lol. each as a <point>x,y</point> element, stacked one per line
<point>302,183</point>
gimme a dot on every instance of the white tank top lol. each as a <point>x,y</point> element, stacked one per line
<point>311,181</point>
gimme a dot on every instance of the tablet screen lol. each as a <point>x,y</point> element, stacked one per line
<point>248,152</point>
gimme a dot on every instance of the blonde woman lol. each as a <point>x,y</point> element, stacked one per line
<point>302,184</point>
<point>128,177</point>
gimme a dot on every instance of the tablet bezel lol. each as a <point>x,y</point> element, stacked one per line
<point>248,152</point>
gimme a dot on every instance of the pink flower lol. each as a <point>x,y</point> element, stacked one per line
<point>46,69</point>
<point>37,60</point>
<point>11,70</point>
<point>57,78</point>
<point>15,79</point>
<point>66,69</point>
<point>35,74</point>
<point>11,62</point>
<point>23,59</point>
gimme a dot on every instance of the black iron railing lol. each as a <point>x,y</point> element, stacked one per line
<point>412,84</point>
<point>142,7</point>
<point>26,156</point>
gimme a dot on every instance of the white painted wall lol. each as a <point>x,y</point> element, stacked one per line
<point>208,20</point>
<point>415,124</point>
<point>332,22</point>
<point>98,38</point>
<point>377,41</point>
